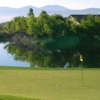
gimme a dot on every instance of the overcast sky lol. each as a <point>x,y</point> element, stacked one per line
<point>72,4</point>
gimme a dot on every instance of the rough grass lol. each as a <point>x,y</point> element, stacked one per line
<point>50,84</point>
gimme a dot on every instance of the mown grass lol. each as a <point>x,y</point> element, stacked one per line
<point>49,84</point>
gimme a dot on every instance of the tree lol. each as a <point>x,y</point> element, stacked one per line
<point>20,24</point>
<point>42,22</point>
<point>30,12</point>
<point>57,25</point>
<point>90,40</point>
<point>9,27</point>
<point>31,23</point>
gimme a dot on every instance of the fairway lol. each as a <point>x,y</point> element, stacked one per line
<point>51,84</point>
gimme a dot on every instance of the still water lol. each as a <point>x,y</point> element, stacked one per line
<point>12,55</point>
<point>15,55</point>
<point>7,59</point>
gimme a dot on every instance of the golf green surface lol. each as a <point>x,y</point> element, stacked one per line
<point>50,84</point>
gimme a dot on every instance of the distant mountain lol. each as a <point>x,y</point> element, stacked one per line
<point>7,13</point>
<point>54,8</point>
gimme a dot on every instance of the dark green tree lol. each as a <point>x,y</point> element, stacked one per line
<point>30,12</point>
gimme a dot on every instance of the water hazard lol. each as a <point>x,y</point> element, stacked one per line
<point>8,59</point>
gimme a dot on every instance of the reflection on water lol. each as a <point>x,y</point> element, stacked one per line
<point>40,56</point>
<point>13,55</point>
<point>6,59</point>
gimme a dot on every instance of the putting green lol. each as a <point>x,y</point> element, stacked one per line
<point>51,84</point>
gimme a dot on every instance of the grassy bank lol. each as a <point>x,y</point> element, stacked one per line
<point>46,84</point>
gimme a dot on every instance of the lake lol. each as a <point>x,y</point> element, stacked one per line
<point>6,59</point>
<point>12,55</point>
<point>38,57</point>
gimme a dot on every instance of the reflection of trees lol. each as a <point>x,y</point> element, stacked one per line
<point>40,58</point>
<point>57,52</point>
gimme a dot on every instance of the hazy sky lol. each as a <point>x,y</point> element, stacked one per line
<point>72,4</point>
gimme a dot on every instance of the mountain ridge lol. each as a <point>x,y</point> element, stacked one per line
<point>7,13</point>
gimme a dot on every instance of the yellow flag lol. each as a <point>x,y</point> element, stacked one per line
<point>81,58</point>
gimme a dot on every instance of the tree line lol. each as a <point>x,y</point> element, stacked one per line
<point>52,25</point>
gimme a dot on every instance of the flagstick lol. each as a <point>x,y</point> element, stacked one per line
<point>82,77</point>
